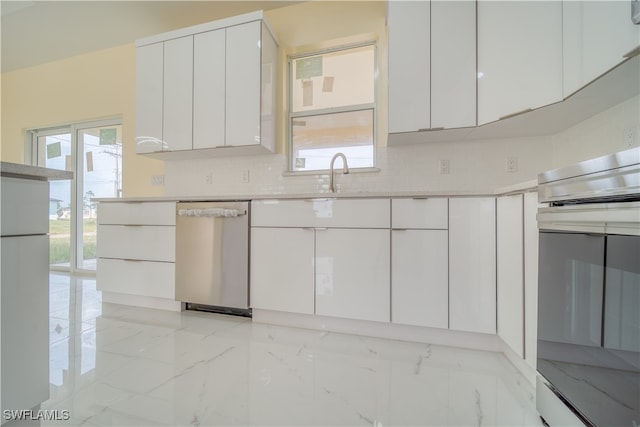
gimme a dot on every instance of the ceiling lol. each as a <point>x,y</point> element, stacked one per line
<point>36,32</point>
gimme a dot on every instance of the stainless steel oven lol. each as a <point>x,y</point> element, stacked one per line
<point>589,291</point>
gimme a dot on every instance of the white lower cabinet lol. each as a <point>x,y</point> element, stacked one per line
<point>510,274</point>
<point>353,273</point>
<point>530,225</point>
<point>134,277</point>
<point>319,257</point>
<point>472,264</point>
<point>136,253</point>
<point>139,242</point>
<point>420,278</point>
<point>282,261</point>
<point>25,320</point>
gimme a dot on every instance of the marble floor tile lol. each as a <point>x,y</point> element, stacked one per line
<point>126,366</point>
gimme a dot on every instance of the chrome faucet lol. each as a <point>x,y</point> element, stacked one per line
<point>345,170</point>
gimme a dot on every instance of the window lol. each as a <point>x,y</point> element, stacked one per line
<point>93,151</point>
<point>332,107</point>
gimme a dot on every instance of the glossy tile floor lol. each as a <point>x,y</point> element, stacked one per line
<point>116,365</point>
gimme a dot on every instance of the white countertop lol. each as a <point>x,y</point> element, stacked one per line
<point>17,170</point>
<point>517,188</point>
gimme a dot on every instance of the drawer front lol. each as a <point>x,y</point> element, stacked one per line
<point>148,213</point>
<point>25,206</point>
<point>149,279</point>
<point>147,243</point>
<point>339,213</point>
<point>420,213</point>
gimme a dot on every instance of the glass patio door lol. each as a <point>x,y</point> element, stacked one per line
<point>93,151</point>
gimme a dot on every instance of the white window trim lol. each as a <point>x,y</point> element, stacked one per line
<point>356,107</point>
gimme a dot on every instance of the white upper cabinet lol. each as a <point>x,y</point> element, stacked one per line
<point>178,94</point>
<point>243,84</point>
<point>596,36</point>
<point>432,65</point>
<point>409,65</point>
<point>149,83</point>
<point>453,64</point>
<point>207,86</point>
<point>519,57</point>
<point>209,71</point>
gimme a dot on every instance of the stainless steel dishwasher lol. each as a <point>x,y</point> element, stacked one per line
<point>212,256</point>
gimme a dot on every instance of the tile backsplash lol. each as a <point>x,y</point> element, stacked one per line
<point>477,166</point>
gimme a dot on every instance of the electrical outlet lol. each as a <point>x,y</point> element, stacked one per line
<point>157,180</point>
<point>629,137</point>
<point>444,166</point>
<point>245,176</point>
<point>208,179</point>
<point>511,165</point>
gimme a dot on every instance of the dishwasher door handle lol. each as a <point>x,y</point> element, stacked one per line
<point>212,212</point>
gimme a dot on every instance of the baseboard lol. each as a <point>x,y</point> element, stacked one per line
<point>445,337</point>
<point>140,301</point>
<point>551,408</point>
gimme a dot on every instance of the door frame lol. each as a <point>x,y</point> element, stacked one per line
<point>36,156</point>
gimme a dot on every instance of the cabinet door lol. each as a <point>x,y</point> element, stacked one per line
<point>472,264</point>
<point>409,65</point>
<point>531,206</point>
<point>419,281</point>
<point>145,278</point>
<point>25,204</point>
<point>243,84</point>
<point>420,213</point>
<point>453,64</point>
<point>149,77</point>
<point>209,89</point>
<point>519,56</point>
<point>177,125</point>
<point>282,269</point>
<point>25,321</point>
<point>596,35</point>
<point>353,274</point>
<point>132,213</point>
<point>510,286</point>
<point>141,242</point>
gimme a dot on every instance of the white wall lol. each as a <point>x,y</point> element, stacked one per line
<point>602,134</point>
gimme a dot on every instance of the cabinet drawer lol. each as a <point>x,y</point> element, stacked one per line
<point>25,206</point>
<point>148,243</point>
<point>149,213</point>
<point>338,213</point>
<point>149,279</point>
<point>420,213</point>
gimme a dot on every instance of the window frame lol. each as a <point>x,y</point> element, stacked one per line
<point>291,116</point>
<point>36,156</point>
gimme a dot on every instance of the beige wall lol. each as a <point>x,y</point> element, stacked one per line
<point>87,87</point>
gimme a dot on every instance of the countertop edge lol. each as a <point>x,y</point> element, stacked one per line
<point>16,170</point>
<point>524,187</point>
